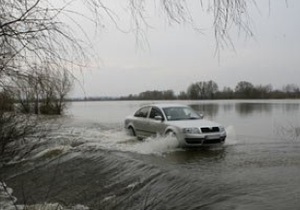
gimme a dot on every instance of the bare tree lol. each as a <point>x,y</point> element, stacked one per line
<point>62,88</point>
<point>54,87</point>
<point>31,34</point>
<point>292,90</point>
<point>226,15</point>
<point>43,91</point>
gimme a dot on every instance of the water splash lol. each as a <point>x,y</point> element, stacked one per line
<point>119,140</point>
<point>86,137</point>
<point>157,145</point>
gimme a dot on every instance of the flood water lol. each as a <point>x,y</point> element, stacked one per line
<point>90,161</point>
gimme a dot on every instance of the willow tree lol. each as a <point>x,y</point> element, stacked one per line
<point>225,15</point>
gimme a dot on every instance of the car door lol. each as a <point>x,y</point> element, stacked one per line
<point>156,123</point>
<point>141,122</point>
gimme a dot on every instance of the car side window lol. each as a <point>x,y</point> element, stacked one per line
<point>143,112</point>
<point>155,112</point>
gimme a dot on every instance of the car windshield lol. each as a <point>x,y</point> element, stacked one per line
<point>180,113</point>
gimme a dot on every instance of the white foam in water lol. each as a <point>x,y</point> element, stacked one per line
<point>61,149</point>
<point>157,145</point>
<point>120,140</point>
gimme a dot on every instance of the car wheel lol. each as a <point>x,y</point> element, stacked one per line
<point>131,131</point>
<point>172,137</point>
<point>171,133</point>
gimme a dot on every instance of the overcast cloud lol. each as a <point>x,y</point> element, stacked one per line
<point>178,56</point>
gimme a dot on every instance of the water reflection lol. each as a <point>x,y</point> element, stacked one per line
<point>210,110</point>
<point>291,107</point>
<point>244,108</point>
<point>250,108</point>
<point>227,107</point>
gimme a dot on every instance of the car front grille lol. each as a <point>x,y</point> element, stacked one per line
<point>194,140</point>
<point>204,141</point>
<point>213,141</point>
<point>210,129</point>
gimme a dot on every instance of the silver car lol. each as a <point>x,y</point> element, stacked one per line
<point>183,122</point>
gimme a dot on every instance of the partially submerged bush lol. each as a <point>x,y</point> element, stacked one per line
<point>43,91</point>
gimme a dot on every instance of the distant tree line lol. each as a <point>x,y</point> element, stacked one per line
<point>210,90</point>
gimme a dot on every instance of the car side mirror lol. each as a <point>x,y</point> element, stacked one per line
<point>158,118</point>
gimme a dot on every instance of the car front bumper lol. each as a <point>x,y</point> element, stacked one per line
<point>193,140</point>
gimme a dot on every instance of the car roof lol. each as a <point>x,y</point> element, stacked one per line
<point>164,105</point>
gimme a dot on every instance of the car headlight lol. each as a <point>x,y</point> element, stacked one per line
<point>222,129</point>
<point>191,130</point>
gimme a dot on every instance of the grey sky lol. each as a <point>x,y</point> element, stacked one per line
<point>178,55</point>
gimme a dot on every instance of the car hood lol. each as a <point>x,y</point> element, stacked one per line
<point>193,123</point>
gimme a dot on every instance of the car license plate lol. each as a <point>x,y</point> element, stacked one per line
<point>213,137</point>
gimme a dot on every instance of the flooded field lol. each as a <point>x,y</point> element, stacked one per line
<point>89,162</point>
